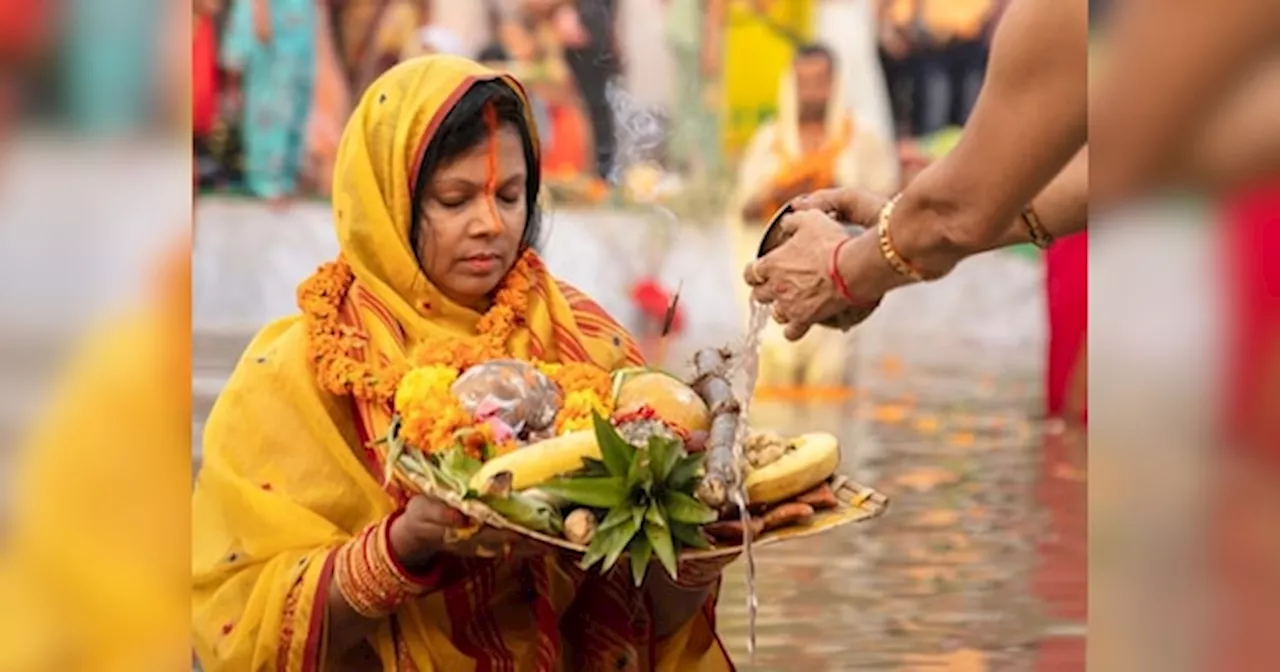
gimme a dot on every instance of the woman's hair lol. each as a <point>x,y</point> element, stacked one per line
<point>463,128</point>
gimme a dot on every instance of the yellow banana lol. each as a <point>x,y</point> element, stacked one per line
<point>540,462</point>
<point>811,460</point>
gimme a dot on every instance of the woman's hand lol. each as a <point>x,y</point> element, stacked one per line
<point>427,525</point>
<point>796,278</point>
<point>703,571</point>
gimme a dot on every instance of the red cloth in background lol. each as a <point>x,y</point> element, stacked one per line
<point>204,75</point>
<point>24,26</point>
<point>1253,282</point>
<point>1067,288</point>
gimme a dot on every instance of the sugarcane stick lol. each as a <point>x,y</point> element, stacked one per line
<point>722,475</point>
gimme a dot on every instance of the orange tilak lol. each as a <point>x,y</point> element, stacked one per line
<point>491,185</point>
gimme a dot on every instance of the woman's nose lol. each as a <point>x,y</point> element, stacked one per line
<point>487,222</point>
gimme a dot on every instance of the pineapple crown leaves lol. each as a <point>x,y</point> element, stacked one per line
<point>646,496</point>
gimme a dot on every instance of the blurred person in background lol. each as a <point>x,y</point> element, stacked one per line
<point>303,559</point>
<point>372,35</point>
<point>108,52</point>
<point>588,30</point>
<point>926,43</point>
<point>269,53</point>
<point>330,105</point>
<point>815,143</point>
<point>695,32</point>
<point>959,31</point>
<point>205,92</point>
<point>902,58</point>
<point>531,47</point>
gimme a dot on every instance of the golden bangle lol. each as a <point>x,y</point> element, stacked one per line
<point>367,577</point>
<point>899,263</point>
<point>1040,237</point>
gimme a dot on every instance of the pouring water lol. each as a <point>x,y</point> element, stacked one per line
<point>745,370</point>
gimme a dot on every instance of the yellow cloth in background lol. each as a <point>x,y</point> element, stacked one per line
<point>283,484</point>
<point>94,568</point>
<point>944,19</point>
<point>755,58</point>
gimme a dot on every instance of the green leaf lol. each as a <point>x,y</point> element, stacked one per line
<point>688,536</point>
<point>459,465</point>
<point>641,552</point>
<point>592,467</point>
<point>604,544</point>
<point>598,493</point>
<point>596,550</point>
<point>684,476</point>
<point>655,516</point>
<point>663,455</point>
<point>614,518</point>
<point>527,512</point>
<point>442,477</point>
<point>620,543</point>
<point>637,515</point>
<point>638,475</point>
<point>682,508</point>
<point>660,539</point>
<point>615,451</point>
<point>395,448</point>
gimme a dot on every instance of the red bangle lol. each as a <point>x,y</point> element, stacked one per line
<point>838,280</point>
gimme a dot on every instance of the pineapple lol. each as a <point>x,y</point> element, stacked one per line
<point>643,498</point>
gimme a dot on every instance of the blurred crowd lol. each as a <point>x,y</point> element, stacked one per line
<point>274,80</point>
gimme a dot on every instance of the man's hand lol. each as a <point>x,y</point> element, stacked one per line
<point>796,277</point>
<point>852,206</point>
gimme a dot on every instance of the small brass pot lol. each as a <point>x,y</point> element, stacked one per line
<point>774,237</point>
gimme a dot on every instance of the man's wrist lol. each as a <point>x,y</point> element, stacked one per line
<point>864,270</point>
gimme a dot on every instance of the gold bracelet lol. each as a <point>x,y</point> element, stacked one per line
<point>898,262</point>
<point>1040,237</point>
<point>367,577</point>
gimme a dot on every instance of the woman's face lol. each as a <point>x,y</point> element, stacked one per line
<point>473,217</point>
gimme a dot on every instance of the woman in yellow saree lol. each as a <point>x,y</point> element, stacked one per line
<point>302,560</point>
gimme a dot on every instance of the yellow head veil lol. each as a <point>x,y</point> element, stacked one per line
<point>376,168</point>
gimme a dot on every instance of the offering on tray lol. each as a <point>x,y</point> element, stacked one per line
<point>635,464</point>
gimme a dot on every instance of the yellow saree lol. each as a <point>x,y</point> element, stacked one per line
<point>285,481</point>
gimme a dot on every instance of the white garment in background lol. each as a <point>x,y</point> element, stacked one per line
<point>847,27</point>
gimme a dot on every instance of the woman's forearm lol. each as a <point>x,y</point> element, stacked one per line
<point>346,628</point>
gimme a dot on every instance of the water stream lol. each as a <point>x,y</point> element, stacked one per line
<point>744,369</point>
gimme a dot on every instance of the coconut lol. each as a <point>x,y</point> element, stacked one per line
<point>671,401</point>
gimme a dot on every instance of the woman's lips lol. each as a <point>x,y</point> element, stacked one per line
<point>483,263</point>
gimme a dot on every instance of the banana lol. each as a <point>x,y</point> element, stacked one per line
<point>540,462</point>
<point>811,460</point>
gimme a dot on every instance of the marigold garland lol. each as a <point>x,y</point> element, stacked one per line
<point>431,418</point>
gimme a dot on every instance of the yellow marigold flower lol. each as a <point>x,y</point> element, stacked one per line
<point>421,388</point>
<point>577,410</point>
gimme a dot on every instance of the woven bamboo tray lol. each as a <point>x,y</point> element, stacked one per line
<point>856,503</point>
